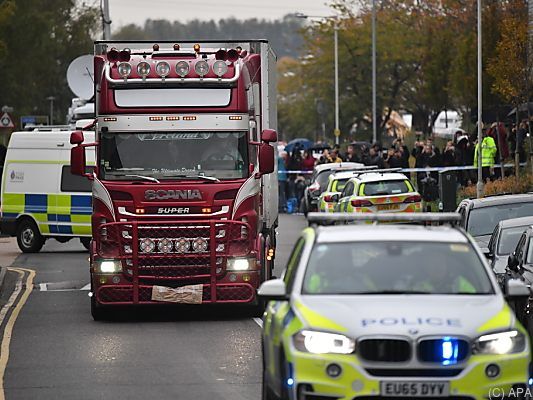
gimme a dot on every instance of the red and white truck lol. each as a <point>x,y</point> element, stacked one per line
<point>185,202</point>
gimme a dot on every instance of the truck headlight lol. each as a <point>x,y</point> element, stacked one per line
<point>323,342</point>
<point>108,266</point>
<point>240,264</point>
<point>500,343</point>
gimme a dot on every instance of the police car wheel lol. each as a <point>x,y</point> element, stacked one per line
<point>29,239</point>
<point>266,392</point>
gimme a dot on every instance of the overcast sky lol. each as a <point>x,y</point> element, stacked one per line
<point>124,12</point>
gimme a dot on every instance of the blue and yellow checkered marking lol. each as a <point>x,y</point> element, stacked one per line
<point>54,213</point>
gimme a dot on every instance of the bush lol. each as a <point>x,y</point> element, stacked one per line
<point>511,184</point>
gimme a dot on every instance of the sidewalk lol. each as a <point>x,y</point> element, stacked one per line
<point>8,251</point>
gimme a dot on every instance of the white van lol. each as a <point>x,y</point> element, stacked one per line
<point>40,198</point>
<point>447,123</point>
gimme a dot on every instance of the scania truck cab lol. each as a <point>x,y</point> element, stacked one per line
<point>185,188</point>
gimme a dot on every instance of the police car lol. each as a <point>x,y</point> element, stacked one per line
<point>390,311</point>
<point>336,182</point>
<point>379,191</point>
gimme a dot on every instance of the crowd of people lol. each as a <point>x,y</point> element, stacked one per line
<point>500,143</point>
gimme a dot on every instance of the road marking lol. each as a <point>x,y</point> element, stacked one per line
<point>6,340</point>
<point>259,322</point>
<point>56,287</point>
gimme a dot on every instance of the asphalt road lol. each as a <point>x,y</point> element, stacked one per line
<point>58,352</point>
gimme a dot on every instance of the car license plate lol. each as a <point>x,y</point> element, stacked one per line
<point>415,389</point>
<point>388,207</point>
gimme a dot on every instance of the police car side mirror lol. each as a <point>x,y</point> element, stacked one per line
<point>516,288</point>
<point>266,159</point>
<point>273,289</point>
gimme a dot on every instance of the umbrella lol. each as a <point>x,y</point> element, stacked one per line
<point>302,143</point>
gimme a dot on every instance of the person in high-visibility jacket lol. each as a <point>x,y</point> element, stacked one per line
<point>488,155</point>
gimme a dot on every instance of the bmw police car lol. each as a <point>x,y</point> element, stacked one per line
<point>379,191</point>
<point>328,199</point>
<point>390,311</point>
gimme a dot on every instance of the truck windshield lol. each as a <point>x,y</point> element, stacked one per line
<point>171,155</point>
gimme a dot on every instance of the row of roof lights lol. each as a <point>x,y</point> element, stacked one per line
<point>162,68</point>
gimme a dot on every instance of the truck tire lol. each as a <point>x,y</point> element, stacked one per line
<point>29,239</point>
<point>86,242</point>
<point>98,313</point>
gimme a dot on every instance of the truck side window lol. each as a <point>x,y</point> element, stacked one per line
<point>74,183</point>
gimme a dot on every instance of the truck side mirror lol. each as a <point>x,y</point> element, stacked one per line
<point>512,263</point>
<point>77,160</point>
<point>269,136</point>
<point>76,137</point>
<point>266,159</point>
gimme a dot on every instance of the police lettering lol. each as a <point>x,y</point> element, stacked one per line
<point>404,321</point>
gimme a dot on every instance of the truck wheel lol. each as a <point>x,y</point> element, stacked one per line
<point>29,238</point>
<point>98,313</point>
<point>86,242</point>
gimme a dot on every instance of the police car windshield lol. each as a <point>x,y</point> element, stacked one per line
<point>174,155</point>
<point>483,220</point>
<point>395,268</point>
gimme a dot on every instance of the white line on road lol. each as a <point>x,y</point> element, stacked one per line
<point>259,322</point>
<point>86,287</point>
<point>42,287</point>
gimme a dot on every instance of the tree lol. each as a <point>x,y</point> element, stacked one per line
<point>509,67</point>
<point>40,40</point>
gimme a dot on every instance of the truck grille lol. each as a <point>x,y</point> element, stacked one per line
<point>170,251</point>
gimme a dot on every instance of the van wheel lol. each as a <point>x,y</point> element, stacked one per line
<point>86,242</point>
<point>29,238</point>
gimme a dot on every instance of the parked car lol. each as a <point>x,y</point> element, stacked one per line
<point>520,265</point>
<point>480,216</point>
<point>504,240</point>
<point>319,182</point>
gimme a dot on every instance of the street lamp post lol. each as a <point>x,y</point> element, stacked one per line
<point>479,186</point>
<point>374,75</point>
<point>51,100</point>
<point>336,58</point>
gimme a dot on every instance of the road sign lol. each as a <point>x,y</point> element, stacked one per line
<point>337,132</point>
<point>6,121</point>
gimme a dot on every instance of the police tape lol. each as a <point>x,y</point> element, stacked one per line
<point>429,169</point>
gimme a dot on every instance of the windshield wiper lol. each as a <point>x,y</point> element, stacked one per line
<point>148,178</point>
<point>205,177</point>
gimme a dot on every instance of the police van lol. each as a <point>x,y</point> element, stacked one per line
<point>40,198</point>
